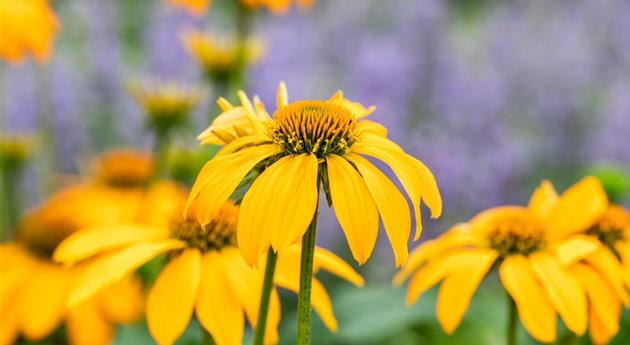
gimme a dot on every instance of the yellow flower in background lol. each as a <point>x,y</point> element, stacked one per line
<point>532,247</point>
<point>34,289</point>
<point>28,28</point>
<point>205,274</point>
<point>166,104</point>
<point>198,8</point>
<point>217,55</point>
<point>303,142</point>
<point>15,150</point>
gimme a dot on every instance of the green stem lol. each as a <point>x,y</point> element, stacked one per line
<point>265,296</point>
<point>10,179</point>
<point>46,126</point>
<point>243,29</point>
<point>306,279</point>
<point>160,152</point>
<point>512,322</point>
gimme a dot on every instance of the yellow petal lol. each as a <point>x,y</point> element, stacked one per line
<point>436,270</point>
<point>578,208</point>
<point>283,95</point>
<point>459,286</point>
<point>534,307</point>
<point>218,308</point>
<point>416,178</point>
<point>220,176</point>
<point>332,263</point>
<point>575,248</point>
<point>223,125</point>
<point>86,326</point>
<point>354,207</point>
<point>605,262</point>
<point>604,304</point>
<point>242,142</point>
<point>113,267</point>
<point>9,331</point>
<point>123,302</point>
<point>458,236</point>
<point>171,300</point>
<point>563,290</point>
<point>278,207</point>
<point>322,305</point>
<point>600,335</point>
<point>98,239</point>
<point>371,127</point>
<point>390,203</point>
<point>357,109</point>
<point>543,199</point>
<point>42,302</point>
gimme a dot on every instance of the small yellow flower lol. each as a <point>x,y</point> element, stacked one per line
<point>198,8</point>
<point>532,247</point>
<point>166,104</point>
<point>15,150</point>
<point>303,142</point>
<point>218,55</point>
<point>205,274</point>
<point>28,27</point>
<point>34,289</point>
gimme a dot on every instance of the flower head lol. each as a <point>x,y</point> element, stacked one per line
<point>198,8</point>
<point>28,27</point>
<point>15,150</point>
<point>205,273</point>
<point>218,55</point>
<point>532,246</point>
<point>304,144</point>
<point>35,289</point>
<point>166,105</point>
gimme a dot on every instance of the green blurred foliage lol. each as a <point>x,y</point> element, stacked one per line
<point>615,178</point>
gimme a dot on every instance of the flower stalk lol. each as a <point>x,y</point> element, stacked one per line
<point>512,322</point>
<point>306,279</point>
<point>265,296</point>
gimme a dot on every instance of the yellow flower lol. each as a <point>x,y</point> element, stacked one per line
<point>304,142</point>
<point>532,247</point>
<point>34,289</point>
<point>218,55</point>
<point>166,104</point>
<point>198,8</point>
<point>28,27</point>
<point>14,150</point>
<point>205,274</point>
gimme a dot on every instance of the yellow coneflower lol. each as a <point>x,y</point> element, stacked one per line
<point>28,27</point>
<point>205,273</point>
<point>34,289</point>
<point>166,104</point>
<point>529,244</point>
<point>306,141</point>
<point>218,56</point>
<point>198,8</point>
<point>15,150</point>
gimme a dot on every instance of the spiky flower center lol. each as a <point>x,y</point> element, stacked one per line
<point>516,236</point>
<point>316,127</point>
<point>611,227</point>
<point>219,233</point>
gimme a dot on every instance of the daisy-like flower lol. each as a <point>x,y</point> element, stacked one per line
<point>205,274</point>
<point>15,150</point>
<point>166,104</point>
<point>218,56</point>
<point>305,142</point>
<point>198,8</point>
<point>529,245</point>
<point>28,28</point>
<point>34,289</point>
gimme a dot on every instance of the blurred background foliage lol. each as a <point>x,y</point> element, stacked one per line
<point>493,95</point>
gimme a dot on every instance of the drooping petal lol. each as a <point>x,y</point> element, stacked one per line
<point>605,262</point>
<point>220,176</point>
<point>459,286</point>
<point>367,126</point>
<point>98,239</point>
<point>242,142</point>
<point>282,97</point>
<point>172,298</point>
<point>354,207</point>
<point>86,326</point>
<point>323,259</point>
<point>415,177</point>
<point>576,248</point>
<point>543,199</point>
<point>42,302</point>
<point>578,208</point>
<point>563,290</point>
<point>111,268</point>
<point>123,302</point>
<point>357,109</point>
<point>430,274</point>
<point>218,308</point>
<point>458,236</point>
<point>534,307</point>
<point>391,205</point>
<point>278,207</point>
<point>604,304</point>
